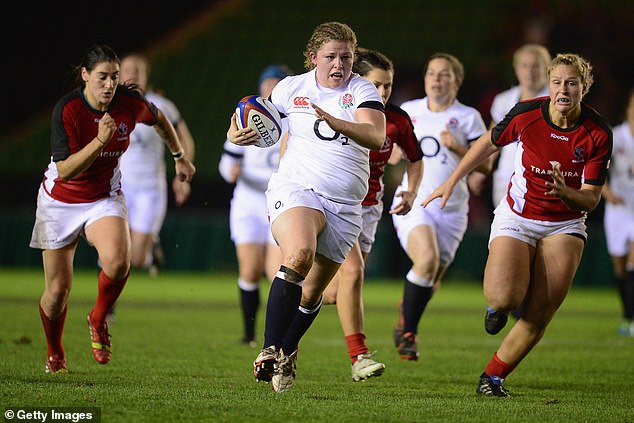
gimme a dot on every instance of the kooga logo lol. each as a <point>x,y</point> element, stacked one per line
<point>559,137</point>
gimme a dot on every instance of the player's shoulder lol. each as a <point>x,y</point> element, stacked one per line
<point>535,105</point>
<point>130,90</point>
<point>71,102</point>
<point>463,109</point>
<point>411,106</point>
<point>157,98</point>
<point>506,96</point>
<point>396,113</point>
<point>593,116</point>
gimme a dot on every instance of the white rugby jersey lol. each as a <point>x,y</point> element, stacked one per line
<point>143,164</point>
<point>316,156</point>
<point>466,125</point>
<point>502,103</point>
<point>622,163</point>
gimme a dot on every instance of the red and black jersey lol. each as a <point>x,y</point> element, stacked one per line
<point>75,124</point>
<point>583,151</point>
<point>399,130</point>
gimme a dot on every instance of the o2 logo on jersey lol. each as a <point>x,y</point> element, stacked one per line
<point>453,123</point>
<point>335,135</point>
<point>429,146</point>
<point>346,101</point>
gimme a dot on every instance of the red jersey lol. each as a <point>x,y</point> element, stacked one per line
<point>399,130</point>
<point>75,124</point>
<point>583,152</point>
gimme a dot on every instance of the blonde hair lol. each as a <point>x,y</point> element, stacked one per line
<point>536,49</point>
<point>581,65</point>
<point>324,33</point>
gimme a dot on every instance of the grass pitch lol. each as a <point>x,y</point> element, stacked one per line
<point>176,357</point>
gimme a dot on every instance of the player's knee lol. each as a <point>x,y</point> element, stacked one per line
<point>116,265</point>
<point>58,292</point>
<point>301,261</point>
<point>137,261</point>
<point>352,275</point>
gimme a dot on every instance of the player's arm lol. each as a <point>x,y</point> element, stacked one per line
<point>78,162</point>
<point>184,168</point>
<point>448,140</point>
<point>609,195</point>
<point>182,189</point>
<point>368,130</point>
<point>584,199</point>
<point>479,151</point>
<point>414,176</point>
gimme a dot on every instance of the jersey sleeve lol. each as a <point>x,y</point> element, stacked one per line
<point>60,140</point>
<point>506,132</point>
<point>595,171</point>
<point>231,155</point>
<point>406,137</point>
<point>367,95</point>
<point>279,96</point>
<point>476,127</point>
<point>143,110</point>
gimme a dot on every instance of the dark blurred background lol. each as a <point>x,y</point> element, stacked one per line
<point>207,55</point>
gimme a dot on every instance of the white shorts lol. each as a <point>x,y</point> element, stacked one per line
<point>58,224</point>
<point>371,216</point>
<point>146,208</point>
<point>343,221</point>
<point>448,225</point>
<point>618,222</point>
<point>248,218</point>
<point>508,223</point>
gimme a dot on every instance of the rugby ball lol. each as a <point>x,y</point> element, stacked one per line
<point>260,114</point>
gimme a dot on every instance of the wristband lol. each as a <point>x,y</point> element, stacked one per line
<point>99,139</point>
<point>179,154</point>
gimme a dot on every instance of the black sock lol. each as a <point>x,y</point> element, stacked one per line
<point>284,299</point>
<point>415,299</point>
<point>300,324</point>
<point>250,301</point>
<point>628,295</point>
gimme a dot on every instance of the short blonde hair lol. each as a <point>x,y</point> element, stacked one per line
<point>536,49</point>
<point>324,33</point>
<point>581,65</point>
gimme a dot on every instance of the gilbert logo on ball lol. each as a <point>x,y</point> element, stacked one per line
<point>260,114</point>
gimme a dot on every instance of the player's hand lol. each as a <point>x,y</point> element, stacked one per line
<point>333,122</point>
<point>181,191</point>
<point>443,192</point>
<point>184,169</point>
<point>558,185</point>
<point>407,201</point>
<point>107,126</point>
<point>447,139</point>
<point>244,136</point>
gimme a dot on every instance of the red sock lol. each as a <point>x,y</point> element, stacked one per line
<point>53,330</point>
<point>497,367</point>
<point>356,345</point>
<point>109,291</point>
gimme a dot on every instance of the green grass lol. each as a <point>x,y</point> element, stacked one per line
<point>176,358</point>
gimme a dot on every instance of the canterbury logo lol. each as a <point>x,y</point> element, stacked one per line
<point>559,137</point>
<point>301,101</point>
